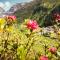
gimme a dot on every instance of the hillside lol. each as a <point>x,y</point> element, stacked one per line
<point>37,10</point>
<point>1,11</point>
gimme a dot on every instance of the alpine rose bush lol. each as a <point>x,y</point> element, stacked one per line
<point>53,50</point>
<point>11,18</point>
<point>31,24</point>
<point>43,58</point>
<point>57,17</point>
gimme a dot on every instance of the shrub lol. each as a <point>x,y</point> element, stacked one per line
<point>26,44</point>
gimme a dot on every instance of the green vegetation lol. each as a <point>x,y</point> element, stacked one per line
<point>39,10</point>
<point>27,41</point>
<point>30,40</point>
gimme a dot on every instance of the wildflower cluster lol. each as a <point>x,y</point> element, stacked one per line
<point>28,41</point>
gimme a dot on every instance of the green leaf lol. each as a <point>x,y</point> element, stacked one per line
<point>58,53</point>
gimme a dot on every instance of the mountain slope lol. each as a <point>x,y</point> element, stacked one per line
<point>1,10</point>
<point>26,10</point>
<point>37,9</point>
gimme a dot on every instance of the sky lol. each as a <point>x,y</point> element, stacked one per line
<point>7,4</point>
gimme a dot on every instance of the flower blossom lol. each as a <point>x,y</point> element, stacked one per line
<point>43,58</point>
<point>32,25</point>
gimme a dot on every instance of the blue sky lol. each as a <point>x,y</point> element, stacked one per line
<point>6,4</point>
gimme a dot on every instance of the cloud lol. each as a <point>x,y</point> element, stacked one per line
<point>6,5</point>
<point>1,4</point>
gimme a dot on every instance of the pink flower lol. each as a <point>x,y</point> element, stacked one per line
<point>52,50</point>
<point>57,16</point>
<point>32,24</point>
<point>11,17</point>
<point>43,58</point>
